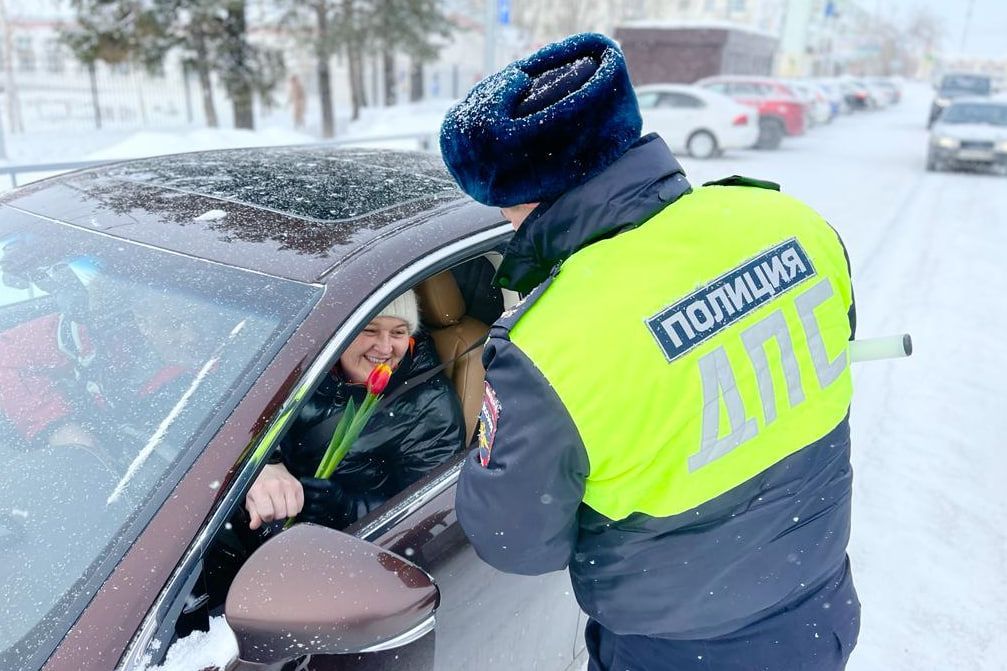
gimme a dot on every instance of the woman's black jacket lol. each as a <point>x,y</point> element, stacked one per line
<point>404,439</point>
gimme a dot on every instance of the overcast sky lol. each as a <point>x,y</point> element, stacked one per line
<point>987,28</point>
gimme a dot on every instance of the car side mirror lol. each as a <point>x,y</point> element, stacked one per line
<point>314,590</point>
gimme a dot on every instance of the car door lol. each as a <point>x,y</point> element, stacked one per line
<point>693,112</point>
<point>486,620</point>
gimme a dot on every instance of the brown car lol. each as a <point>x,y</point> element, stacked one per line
<point>161,322</point>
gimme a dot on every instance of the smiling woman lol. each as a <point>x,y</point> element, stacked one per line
<point>414,430</point>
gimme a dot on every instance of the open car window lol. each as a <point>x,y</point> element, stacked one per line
<point>117,362</point>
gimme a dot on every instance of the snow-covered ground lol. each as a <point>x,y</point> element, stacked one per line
<point>929,546</point>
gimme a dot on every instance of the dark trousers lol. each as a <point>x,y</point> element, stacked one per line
<point>817,633</point>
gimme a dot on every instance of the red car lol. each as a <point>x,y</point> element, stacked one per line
<point>781,112</point>
<point>166,319</point>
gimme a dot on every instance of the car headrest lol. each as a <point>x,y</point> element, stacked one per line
<point>441,302</point>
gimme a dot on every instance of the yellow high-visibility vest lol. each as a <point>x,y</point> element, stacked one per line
<point>698,349</point>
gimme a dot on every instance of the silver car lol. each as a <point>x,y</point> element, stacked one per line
<point>972,132</point>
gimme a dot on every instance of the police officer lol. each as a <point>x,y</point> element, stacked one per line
<point>666,412</point>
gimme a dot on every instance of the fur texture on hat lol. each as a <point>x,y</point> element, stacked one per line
<point>544,124</point>
<point>404,308</point>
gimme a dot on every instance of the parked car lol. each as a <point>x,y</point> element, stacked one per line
<point>781,113</point>
<point>887,88</point>
<point>178,311</point>
<point>957,85</point>
<point>834,94</point>
<point>880,96</point>
<point>857,95</point>
<point>972,132</point>
<point>698,121</point>
<point>818,111</point>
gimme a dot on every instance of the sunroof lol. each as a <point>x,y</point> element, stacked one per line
<point>312,182</point>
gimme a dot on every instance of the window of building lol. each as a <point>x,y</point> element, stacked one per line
<point>24,53</point>
<point>737,5</point>
<point>53,56</point>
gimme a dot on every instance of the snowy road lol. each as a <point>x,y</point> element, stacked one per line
<point>929,545</point>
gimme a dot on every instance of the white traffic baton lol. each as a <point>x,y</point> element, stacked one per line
<point>886,347</point>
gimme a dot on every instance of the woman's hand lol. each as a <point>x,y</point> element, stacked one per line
<point>275,495</point>
<point>324,503</point>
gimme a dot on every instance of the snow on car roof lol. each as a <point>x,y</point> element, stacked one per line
<point>309,182</point>
<point>286,211</point>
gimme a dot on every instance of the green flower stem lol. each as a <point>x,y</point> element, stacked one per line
<point>338,437</point>
<point>347,430</point>
<point>353,432</point>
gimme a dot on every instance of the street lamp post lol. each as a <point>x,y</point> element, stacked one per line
<point>968,20</point>
<point>490,31</point>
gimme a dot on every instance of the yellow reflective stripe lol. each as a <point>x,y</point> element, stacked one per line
<point>664,437</point>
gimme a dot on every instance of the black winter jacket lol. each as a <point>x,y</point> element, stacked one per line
<point>404,440</point>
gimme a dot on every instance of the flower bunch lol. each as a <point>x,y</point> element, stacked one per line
<point>353,421</point>
<point>351,424</point>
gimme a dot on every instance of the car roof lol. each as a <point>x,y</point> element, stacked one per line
<point>691,89</point>
<point>293,212</point>
<point>669,86</point>
<point>743,78</point>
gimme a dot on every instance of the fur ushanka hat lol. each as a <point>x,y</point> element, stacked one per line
<point>543,124</point>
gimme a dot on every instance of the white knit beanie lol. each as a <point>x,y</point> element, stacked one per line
<point>404,308</point>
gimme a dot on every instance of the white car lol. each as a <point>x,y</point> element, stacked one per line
<point>698,121</point>
<point>819,111</point>
<point>972,132</point>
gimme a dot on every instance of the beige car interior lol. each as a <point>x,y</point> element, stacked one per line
<point>443,312</point>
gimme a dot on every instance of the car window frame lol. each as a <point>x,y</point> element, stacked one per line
<point>409,500</point>
<point>676,98</point>
<point>648,100</point>
<point>723,88</point>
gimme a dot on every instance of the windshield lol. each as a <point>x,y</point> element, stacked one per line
<point>117,363</point>
<point>965,84</point>
<point>994,115</point>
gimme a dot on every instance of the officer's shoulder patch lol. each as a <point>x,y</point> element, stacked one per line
<point>739,180</point>
<point>489,417</point>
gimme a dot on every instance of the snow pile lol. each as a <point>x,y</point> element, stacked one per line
<point>151,143</point>
<point>423,118</point>
<point>202,650</point>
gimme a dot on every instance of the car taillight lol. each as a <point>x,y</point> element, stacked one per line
<point>740,120</point>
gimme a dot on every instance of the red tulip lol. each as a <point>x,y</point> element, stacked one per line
<point>378,379</point>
